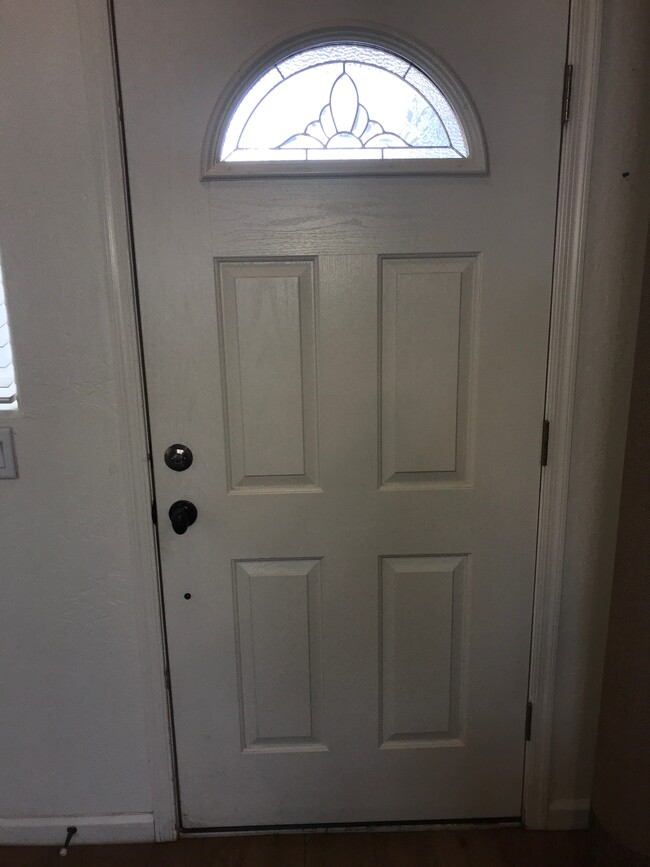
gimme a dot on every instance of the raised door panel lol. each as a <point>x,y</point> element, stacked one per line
<point>268,344</point>
<point>422,613</point>
<point>426,361</point>
<point>278,614</point>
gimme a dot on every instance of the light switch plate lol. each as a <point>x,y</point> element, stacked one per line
<point>8,468</point>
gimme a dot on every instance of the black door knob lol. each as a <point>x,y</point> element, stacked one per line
<point>182,514</point>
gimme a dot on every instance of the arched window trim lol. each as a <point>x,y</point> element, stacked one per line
<point>451,88</point>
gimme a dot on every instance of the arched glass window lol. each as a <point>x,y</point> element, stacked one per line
<point>346,101</point>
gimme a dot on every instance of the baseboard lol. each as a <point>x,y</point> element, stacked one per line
<point>126,828</point>
<point>568,814</point>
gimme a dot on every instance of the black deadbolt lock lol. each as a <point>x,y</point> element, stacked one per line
<point>178,457</point>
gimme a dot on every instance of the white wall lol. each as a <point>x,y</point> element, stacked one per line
<point>72,733</point>
<point>617,217</point>
<point>71,725</point>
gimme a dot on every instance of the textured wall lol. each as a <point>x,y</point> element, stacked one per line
<point>71,727</point>
<point>622,775</point>
<point>617,217</point>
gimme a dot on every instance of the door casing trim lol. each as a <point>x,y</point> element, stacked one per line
<point>583,52</point>
<point>95,27</point>
<point>100,80</point>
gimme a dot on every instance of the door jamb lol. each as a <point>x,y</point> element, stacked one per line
<point>104,120</point>
<point>583,52</point>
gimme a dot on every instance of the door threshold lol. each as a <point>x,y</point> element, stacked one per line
<point>357,827</point>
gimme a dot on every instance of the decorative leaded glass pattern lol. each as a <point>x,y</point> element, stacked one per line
<point>341,102</point>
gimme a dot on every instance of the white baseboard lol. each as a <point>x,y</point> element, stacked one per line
<point>127,828</point>
<point>568,814</point>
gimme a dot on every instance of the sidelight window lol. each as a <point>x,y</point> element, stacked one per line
<point>7,374</point>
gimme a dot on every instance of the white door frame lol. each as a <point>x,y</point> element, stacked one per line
<point>583,54</point>
<point>97,43</point>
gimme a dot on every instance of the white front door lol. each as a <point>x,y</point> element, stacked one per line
<point>357,364</point>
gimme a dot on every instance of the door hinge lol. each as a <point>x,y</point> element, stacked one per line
<point>546,428</point>
<point>529,719</point>
<point>566,92</point>
<point>154,513</point>
<point>168,681</point>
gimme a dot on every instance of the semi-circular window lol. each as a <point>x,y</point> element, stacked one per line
<point>346,107</point>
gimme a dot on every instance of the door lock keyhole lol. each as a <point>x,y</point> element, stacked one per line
<point>178,457</point>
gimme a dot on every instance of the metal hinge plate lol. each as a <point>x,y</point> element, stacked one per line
<point>546,429</point>
<point>529,719</point>
<point>566,92</point>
